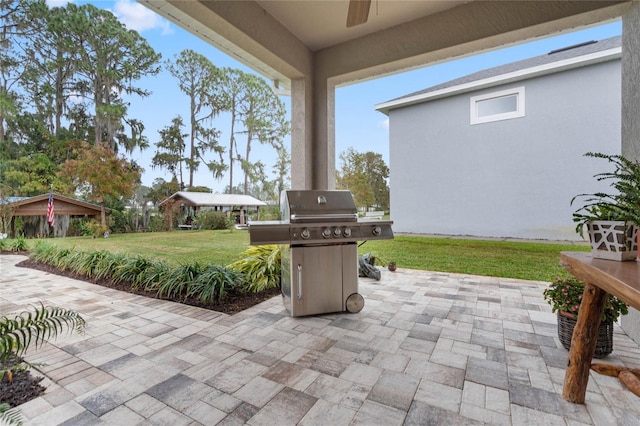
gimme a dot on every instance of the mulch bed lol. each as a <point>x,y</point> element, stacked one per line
<point>20,388</point>
<point>25,387</point>
<point>233,303</point>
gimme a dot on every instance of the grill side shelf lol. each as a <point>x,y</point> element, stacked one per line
<point>269,232</point>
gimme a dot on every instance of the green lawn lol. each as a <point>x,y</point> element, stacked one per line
<point>524,260</point>
<point>178,247</point>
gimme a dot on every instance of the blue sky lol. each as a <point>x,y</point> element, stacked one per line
<point>358,125</point>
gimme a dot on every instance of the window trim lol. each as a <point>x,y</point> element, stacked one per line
<point>519,112</point>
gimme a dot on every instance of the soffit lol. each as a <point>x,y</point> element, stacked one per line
<point>285,39</point>
<point>321,24</point>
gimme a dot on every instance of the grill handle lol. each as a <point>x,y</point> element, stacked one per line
<point>323,217</point>
<point>299,282</point>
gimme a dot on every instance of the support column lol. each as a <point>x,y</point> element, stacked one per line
<point>312,134</point>
<point>324,168</point>
<point>631,82</point>
<point>630,114</point>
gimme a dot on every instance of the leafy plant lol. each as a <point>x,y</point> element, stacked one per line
<point>28,329</point>
<point>10,415</point>
<point>132,270</point>
<point>44,252</point>
<point>260,267</point>
<point>19,244</point>
<point>19,333</point>
<point>155,274</point>
<point>178,280</point>
<point>622,204</point>
<point>565,295</point>
<point>213,283</point>
<point>212,219</point>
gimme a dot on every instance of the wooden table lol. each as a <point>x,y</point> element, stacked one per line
<point>621,279</point>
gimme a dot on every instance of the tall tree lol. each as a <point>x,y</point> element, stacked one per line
<point>170,149</point>
<point>263,115</point>
<point>234,87</point>
<point>50,63</point>
<point>201,81</point>
<point>365,175</point>
<point>161,189</point>
<point>33,175</point>
<point>110,59</point>
<point>281,169</point>
<point>99,174</point>
<point>15,23</point>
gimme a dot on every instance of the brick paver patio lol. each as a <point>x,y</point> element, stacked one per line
<point>428,348</point>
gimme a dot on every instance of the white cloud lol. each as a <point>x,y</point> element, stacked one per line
<point>139,18</point>
<point>384,124</point>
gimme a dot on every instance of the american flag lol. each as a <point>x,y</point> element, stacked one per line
<point>50,213</point>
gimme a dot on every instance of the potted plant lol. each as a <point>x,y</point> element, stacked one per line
<point>613,220</point>
<point>564,295</point>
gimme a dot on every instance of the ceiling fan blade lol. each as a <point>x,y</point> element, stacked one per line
<point>358,12</point>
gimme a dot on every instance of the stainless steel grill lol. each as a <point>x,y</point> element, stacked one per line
<point>320,264</point>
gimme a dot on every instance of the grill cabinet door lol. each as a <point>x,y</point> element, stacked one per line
<point>316,280</point>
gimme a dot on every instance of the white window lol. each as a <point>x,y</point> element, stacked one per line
<point>496,106</point>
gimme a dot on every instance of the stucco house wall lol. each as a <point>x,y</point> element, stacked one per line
<point>509,178</point>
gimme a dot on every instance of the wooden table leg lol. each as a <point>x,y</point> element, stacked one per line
<point>583,344</point>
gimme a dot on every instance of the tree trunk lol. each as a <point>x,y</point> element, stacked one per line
<point>231,144</point>
<point>246,162</point>
<point>103,215</point>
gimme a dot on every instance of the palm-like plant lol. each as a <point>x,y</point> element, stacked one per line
<point>35,328</point>
<point>260,266</point>
<point>28,329</point>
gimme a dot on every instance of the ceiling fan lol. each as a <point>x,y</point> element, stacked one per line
<point>358,12</point>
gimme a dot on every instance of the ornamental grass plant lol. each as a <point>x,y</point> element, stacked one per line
<point>565,295</point>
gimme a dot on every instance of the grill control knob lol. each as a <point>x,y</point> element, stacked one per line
<point>346,232</point>
<point>305,234</point>
<point>337,232</point>
<point>326,233</point>
<point>377,230</point>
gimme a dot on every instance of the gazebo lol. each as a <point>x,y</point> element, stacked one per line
<point>233,204</point>
<point>36,207</point>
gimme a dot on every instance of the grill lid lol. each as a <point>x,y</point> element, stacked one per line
<point>307,206</point>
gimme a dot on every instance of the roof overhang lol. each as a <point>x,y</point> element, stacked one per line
<point>285,40</point>
<point>512,77</point>
<point>37,206</point>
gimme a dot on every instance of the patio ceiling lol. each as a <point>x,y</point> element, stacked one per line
<point>277,38</point>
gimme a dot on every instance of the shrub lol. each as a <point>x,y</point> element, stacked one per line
<point>133,271</point>
<point>44,252</point>
<point>94,228</point>
<point>156,224</point>
<point>213,283</point>
<point>212,220</point>
<point>260,267</point>
<point>19,244</point>
<point>178,280</point>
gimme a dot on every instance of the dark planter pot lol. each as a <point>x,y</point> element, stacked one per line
<point>604,345</point>
<point>392,266</point>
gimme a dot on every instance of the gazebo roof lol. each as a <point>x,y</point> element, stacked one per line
<point>205,199</point>
<point>63,205</point>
